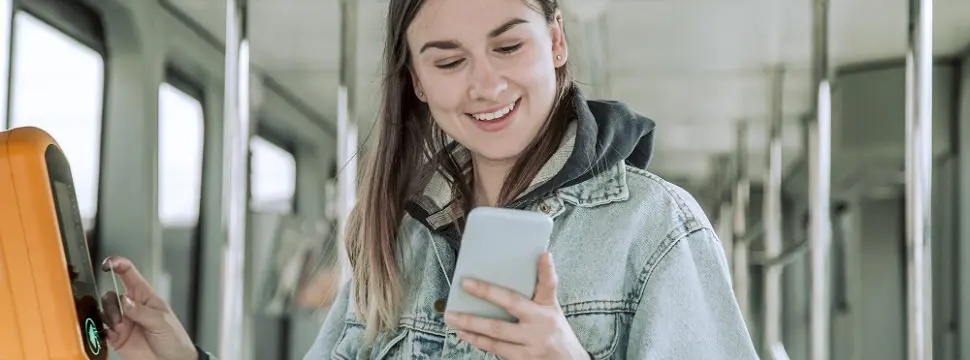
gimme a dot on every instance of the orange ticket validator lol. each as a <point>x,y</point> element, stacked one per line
<point>49,303</point>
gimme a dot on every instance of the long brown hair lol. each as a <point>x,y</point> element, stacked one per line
<point>410,149</point>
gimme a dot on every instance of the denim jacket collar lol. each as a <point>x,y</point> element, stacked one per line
<point>436,200</point>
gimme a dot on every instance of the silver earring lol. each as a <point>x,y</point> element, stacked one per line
<point>422,95</point>
<point>558,57</point>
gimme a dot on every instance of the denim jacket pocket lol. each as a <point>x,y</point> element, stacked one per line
<point>386,346</point>
<point>424,346</point>
<point>348,346</point>
<point>597,325</point>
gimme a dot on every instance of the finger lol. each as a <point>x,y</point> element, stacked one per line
<point>505,350</point>
<point>493,328</point>
<point>110,306</point>
<point>513,302</point>
<point>129,274</point>
<point>548,282</point>
<point>112,337</point>
<point>118,335</point>
<point>136,286</point>
<point>152,320</point>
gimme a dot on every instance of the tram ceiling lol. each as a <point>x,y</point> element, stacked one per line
<point>687,64</point>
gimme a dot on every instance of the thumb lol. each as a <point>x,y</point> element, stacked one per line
<point>152,320</point>
<point>547,283</point>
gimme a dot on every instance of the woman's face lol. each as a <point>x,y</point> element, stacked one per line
<point>487,71</point>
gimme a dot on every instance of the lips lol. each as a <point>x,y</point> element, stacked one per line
<point>496,120</point>
<point>496,114</point>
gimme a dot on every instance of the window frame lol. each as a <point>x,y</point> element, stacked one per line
<point>277,139</point>
<point>85,25</point>
<point>184,83</point>
<point>181,81</point>
<point>75,19</point>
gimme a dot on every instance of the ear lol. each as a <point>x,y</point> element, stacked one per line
<point>418,89</point>
<point>560,51</point>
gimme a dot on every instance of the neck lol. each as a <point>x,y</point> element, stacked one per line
<point>489,177</point>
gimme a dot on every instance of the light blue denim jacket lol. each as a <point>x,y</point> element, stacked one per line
<point>641,273</point>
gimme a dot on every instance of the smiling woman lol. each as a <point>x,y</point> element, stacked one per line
<point>479,109</point>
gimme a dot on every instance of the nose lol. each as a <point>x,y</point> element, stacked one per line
<point>486,82</point>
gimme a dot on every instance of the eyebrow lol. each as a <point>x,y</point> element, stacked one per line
<point>452,44</point>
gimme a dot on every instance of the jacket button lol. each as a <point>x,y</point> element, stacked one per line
<point>545,208</point>
<point>439,305</point>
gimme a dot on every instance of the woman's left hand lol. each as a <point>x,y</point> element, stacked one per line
<point>542,331</point>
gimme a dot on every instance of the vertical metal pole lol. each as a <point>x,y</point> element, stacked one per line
<point>346,125</point>
<point>819,232</point>
<point>820,167</point>
<point>6,39</point>
<point>772,218</point>
<point>726,232</point>
<point>963,144</point>
<point>594,27</point>
<point>236,176</point>
<point>741,191</point>
<point>919,160</point>
<point>723,206</point>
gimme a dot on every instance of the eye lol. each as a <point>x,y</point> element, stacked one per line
<point>509,49</point>
<point>450,65</point>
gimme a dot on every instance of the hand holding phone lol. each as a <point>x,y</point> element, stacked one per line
<point>501,247</point>
<point>540,331</point>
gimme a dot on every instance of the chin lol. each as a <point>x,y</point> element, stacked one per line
<point>498,152</point>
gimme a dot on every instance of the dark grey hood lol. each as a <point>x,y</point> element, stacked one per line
<point>607,132</point>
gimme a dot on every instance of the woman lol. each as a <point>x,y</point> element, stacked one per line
<point>479,109</point>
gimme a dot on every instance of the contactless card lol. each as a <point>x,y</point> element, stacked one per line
<point>111,301</point>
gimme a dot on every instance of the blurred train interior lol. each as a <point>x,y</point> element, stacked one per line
<point>215,143</point>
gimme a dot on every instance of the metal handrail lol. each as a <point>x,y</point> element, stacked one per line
<point>787,256</point>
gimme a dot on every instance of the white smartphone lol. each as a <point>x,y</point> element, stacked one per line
<point>501,247</point>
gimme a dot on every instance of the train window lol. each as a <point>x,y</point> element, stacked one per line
<point>273,177</point>
<point>57,84</point>
<point>180,131</point>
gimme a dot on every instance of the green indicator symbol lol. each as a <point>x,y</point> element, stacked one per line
<point>94,340</point>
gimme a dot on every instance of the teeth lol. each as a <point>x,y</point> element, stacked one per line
<point>494,115</point>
